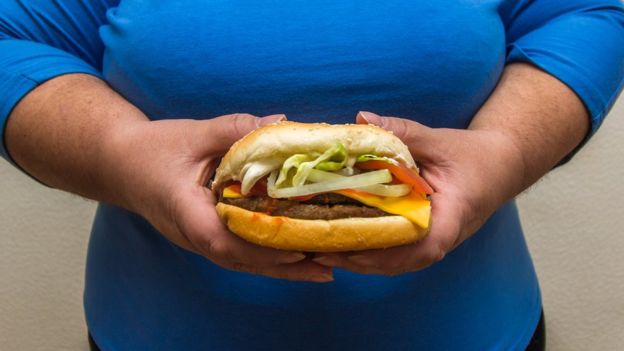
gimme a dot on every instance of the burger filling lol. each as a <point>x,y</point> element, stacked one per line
<point>331,185</point>
<point>325,206</point>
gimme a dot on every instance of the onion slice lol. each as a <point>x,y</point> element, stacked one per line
<point>255,171</point>
<point>357,181</point>
<point>396,190</point>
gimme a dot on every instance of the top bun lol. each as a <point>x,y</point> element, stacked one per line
<point>284,139</point>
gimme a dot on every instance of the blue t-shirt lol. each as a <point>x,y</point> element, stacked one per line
<point>431,61</point>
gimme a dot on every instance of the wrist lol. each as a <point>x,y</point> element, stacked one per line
<point>543,118</point>
<point>121,163</point>
<point>507,162</point>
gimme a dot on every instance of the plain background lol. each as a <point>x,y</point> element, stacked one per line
<point>573,220</point>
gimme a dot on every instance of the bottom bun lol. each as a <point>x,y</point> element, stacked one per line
<point>346,234</point>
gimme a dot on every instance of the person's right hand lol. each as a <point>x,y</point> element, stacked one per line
<point>159,169</point>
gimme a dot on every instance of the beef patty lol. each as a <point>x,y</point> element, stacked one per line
<point>324,206</point>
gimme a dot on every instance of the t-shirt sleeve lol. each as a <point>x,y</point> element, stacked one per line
<point>40,40</point>
<point>580,42</point>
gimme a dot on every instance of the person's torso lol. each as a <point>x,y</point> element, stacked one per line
<point>432,61</point>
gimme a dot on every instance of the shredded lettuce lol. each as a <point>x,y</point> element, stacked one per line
<point>304,174</point>
<point>293,161</point>
<point>336,161</point>
<point>368,157</point>
<point>334,158</point>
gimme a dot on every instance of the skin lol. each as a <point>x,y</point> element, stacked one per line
<point>529,123</point>
<point>76,134</point>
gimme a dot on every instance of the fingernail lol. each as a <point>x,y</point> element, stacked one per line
<point>370,117</point>
<point>266,120</point>
<point>361,260</point>
<point>322,278</point>
<point>324,260</point>
<point>292,258</point>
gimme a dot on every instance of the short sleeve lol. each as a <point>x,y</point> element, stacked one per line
<point>40,40</point>
<point>580,42</point>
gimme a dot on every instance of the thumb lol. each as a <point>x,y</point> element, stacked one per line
<point>365,117</point>
<point>228,129</point>
<point>266,120</point>
<point>419,138</point>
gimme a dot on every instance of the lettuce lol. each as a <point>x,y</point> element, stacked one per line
<point>332,159</point>
<point>296,168</point>
<point>324,170</point>
<point>369,157</point>
<point>293,161</point>
<point>336,161</point>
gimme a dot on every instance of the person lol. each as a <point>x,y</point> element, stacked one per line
<point>131,103</point>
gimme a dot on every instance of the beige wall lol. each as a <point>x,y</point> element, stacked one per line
<point>43,240</point>
<point>574,221</point>
<point>573,218</point>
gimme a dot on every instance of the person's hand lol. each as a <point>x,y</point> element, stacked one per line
<point>472,172</point>
<point>160,169</point>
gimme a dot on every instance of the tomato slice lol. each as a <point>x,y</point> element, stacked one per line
<point>401,172</point>
<point>260,188</point>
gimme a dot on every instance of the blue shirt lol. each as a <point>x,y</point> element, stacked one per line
<point>432,61</point>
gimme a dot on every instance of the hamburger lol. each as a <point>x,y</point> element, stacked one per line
<point>322,188</point>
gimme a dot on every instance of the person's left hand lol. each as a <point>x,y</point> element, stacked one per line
<point>473,172</point>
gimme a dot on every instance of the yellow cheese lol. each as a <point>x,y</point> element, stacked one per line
<point>232,192</point>
<point>414,206</point>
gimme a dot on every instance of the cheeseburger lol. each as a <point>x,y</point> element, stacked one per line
<point>321,187</point>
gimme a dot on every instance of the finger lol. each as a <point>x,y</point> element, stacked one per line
<point>232,252</point>
<point>218,146</point>
<point>341,261</point>
<point>419,138</point>
<point>266,120</point>
<point>447,220</point>
<point>444,235</point>
<point>228,129</point>
<point>301,271</point>
<point>396,260</point>
<point>203,228</point>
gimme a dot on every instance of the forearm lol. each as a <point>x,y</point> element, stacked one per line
<point>529,123</point>
<point>542,118</point>
<point>58,133</point>
<point>76,134</point>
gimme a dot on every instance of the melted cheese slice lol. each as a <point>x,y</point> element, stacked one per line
<point>232,192</point>
<point>414,206</point>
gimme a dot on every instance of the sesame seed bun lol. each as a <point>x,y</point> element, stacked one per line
<point>282,140</point>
